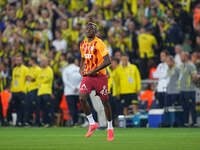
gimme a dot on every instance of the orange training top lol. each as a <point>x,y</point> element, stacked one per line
<point>93,53</point>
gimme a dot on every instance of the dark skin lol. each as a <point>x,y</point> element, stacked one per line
<point>91,33</point>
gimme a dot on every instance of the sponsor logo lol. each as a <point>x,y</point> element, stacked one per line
<point>83,87</point>
<point>88,56</point>
<point>104,91</point>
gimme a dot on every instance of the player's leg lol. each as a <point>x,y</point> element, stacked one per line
<point>83,101</point>
<point>47,109</point>
<point>38,109</point>
<point>34,106</point>
<point>86,108</point>
<point>187,107</point>
<point>124,103</point>
<point>20,108</point>
<point>134,102</point>
<point>76,99</point>
<point>112,101</point>
<point>102,91</point>
<point>71,101</point>
<point>27,109</point>
<point>160,97</point>
<point>108,111</point>
<point>193,108</point>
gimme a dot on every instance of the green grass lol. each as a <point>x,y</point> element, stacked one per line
<point>73,139</point>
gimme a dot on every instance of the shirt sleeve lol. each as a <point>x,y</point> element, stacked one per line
<point>82,55</point>
<point>154,42</point>
<point>138,77</point>
<point>116,80</point>
<point>38,72</point>
<point>193,69</point>
<point>160,72</point>
<point>66,80</point>
<point>102,48</point>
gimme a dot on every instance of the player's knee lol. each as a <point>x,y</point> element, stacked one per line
<point>105,103</point>
<point>82,98</point>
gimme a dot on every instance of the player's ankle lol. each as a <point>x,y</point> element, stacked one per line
<point>110,125</point>
<point>90,119</point>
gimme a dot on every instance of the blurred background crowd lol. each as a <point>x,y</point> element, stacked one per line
<point>54,29</point>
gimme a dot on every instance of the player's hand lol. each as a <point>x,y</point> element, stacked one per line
<point>91,73</point>
<point>54,7</point>
<point>138,93</point>
<point>81,71</point>
<point>28,78</point>
<point>75,90</point>
<point>118,97</point>
<point>52,96</point>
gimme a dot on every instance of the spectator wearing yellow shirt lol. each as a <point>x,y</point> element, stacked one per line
<point>132,35</point>
<point>113,88</point>
<point>129,84</point>
<point>32,87</point>
<point>18,88</point>
<point>104,7</point>
<point>146,43</point>
<point>45,80</point>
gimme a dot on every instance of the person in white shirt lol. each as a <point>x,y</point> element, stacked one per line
<point>177,58</point>
<point>59,43</point>
<point>72,80</point>
<point>161,75</point>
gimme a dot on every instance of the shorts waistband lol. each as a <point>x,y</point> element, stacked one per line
<point>97,75</point>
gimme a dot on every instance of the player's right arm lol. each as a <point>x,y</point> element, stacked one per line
<point>82,66</point>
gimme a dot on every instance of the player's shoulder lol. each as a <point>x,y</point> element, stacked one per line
<point>38,68</point>
<point>98,40</point>
<point>49,68</point>
<point>23,67</point>
<point>133,66</point>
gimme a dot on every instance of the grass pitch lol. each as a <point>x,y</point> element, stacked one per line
<point>73,139</point>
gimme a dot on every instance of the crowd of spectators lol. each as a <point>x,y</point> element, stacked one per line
<point>139,28</point>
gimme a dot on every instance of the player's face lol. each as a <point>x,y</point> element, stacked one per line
<point>183,57</point>
<point>113,64</point>
<point>31,62</point>
<point>169,62</point>
<point>90,31</point>
<point>124,60</point>
<point>18,61</point>
<point>162,57</point>
<point>44,63</point>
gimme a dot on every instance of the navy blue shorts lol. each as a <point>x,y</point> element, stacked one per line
<point>128,99</point>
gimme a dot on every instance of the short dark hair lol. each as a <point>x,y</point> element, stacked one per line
<point>170,57</point>
<point>33,59</point>
<point>165,51</point>
<point>116,60</point>
<point>71,59</point>
<point>124,54</point>
<point>93,25</point>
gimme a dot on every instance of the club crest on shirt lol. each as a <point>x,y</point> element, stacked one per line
<point>92,47</point>
<point>104,91</point>
<point>83,87</point>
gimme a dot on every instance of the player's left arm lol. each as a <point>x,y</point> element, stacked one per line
<point>194,73</point>
<point>105,63</point>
